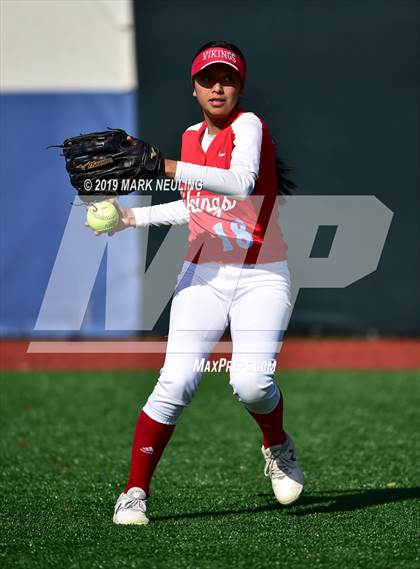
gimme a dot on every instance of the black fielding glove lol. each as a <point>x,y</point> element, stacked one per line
<point>99,162</point>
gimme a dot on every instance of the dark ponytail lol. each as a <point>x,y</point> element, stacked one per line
<point>286,186</point>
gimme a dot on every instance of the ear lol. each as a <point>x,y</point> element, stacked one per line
<point>194,94</point>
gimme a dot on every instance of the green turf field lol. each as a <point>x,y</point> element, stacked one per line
<point>66,439</point>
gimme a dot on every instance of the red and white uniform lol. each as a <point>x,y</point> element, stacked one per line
<point>235,270</point>
<point>232,228</point>
<point>234,218</point>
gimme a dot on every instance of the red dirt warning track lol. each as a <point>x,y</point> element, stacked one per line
<point>141,354</point>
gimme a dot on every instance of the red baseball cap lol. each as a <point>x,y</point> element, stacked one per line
<point>219,55</point>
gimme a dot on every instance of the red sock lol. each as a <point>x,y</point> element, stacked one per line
<point>271,425</point>
<point>150,440</point>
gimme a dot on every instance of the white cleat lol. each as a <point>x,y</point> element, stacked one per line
<point>131,508</point>
<point>285,473</point>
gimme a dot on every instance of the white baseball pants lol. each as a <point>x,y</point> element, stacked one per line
<point>255,301</point>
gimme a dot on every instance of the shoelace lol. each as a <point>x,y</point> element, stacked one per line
<point>134,504</point>
<point>277,466</point>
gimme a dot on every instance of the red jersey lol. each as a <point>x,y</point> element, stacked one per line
<point>222,228</point>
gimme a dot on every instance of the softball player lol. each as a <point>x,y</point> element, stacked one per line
<point>235,273</point>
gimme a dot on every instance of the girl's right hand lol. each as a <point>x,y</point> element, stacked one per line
<point>126,219</point>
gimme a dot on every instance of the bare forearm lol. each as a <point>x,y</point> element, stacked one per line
<point>169,168</point>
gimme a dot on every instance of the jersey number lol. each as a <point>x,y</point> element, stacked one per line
<point>242,236</point>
